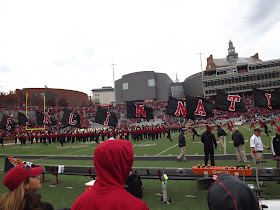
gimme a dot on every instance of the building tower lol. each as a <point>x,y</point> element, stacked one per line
<point>176,80</point>
<point>232,56</point>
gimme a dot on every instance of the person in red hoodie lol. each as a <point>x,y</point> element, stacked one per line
<point>113,160</point>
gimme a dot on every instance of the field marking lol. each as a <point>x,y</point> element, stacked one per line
<point>167,149</point>
<point>173,146</point>
<point>66,154</point>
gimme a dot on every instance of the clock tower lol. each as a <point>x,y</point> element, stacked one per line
<point>232,56</point>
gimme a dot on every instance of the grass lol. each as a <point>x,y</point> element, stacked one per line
<point>184,194</point>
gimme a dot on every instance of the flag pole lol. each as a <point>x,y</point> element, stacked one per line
<point>44,107</point>
<point>26,99</point>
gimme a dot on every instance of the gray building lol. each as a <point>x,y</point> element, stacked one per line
<point>145,85</point>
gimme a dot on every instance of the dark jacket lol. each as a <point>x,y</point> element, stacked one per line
<point>237,138</point>
<point>133,185</point>
<point>182,140</point>
<point>221,132</point>
<point>39,204</point>
<point>228,193</point>
<point>275,144</point>
<point>208,139</point>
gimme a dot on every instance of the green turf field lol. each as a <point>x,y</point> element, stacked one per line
<point>184,194</point>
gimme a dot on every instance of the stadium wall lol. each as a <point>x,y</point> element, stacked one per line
<point>193,85</point>
<point>73,98</point>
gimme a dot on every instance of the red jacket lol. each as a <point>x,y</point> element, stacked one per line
<point>108,191</point>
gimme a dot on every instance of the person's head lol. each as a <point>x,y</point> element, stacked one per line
<point>257,131</point>
<point>23,174</point>
<point>113,161</point>
<point>20,181</point>
<point>208,128</point>
<point>278,130</point>
<point>236,129</point>
<point>228,193</point>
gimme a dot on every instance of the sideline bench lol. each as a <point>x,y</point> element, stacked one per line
<point>266,174</point>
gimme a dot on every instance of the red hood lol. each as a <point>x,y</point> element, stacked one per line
<point>113,160</point>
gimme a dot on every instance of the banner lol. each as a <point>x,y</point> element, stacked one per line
<point>138,111</point>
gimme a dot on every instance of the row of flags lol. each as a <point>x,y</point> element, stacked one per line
<point>68,119</point>
<point>193,107</point>
<point>189,108</point>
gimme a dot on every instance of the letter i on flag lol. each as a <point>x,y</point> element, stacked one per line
<point>269,100</point>
<point>104,117</point>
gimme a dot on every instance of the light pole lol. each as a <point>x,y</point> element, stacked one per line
<point>113,64</point>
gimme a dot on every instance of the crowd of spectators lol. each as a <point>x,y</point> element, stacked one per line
<point>87,115</point>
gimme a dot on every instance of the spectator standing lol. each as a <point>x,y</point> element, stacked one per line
<point>1,139</point>
<point>257,147</point>
<point>22,182</point>
<point>275,145</point>
<point>228,193</point>
<point>208,139</point>
<point>182,146</point>
<point>238,142</point>
<point>113,161</point>
<point>221,135</point>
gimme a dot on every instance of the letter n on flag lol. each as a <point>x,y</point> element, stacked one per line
<point>200,107</point>
<point>42,119</point>
<point>179,108</point>
<point>71,119</point>
<point>269,100</point>
<point>229,102</point>
<point>139,111</point>
<point>104,117</point>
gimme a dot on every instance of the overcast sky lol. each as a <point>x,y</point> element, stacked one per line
<point>70,44</point>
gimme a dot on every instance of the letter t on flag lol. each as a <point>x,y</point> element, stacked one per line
<point>229,102</point>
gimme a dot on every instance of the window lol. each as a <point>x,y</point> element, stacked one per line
<point>151,82</point>
<point>125,86</point>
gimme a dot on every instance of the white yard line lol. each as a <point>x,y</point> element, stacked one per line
<point>173,146</point>
<point>167,149</point>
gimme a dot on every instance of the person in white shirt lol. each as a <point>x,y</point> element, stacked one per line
<point>257,147</point>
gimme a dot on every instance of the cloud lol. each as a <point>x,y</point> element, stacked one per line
<point>263,15</point>
<point>4,68</point>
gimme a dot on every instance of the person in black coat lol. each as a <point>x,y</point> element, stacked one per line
<point>238,142</point>
<point>1,139</point>
<point>182,146</point>
<point>221,134</point>
<point>194,132</point>
<point>209,140</point>
<point>275,146</point>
